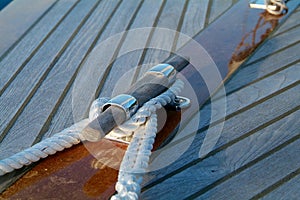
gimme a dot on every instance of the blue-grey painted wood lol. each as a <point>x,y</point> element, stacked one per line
<point>15,98</point>
<point>17,18</point>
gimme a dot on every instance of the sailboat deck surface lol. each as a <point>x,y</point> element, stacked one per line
<point>257,152</point>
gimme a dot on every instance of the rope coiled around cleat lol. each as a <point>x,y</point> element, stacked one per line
<point>136,159</point>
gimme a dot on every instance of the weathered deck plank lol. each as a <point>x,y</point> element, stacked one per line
<point>17,18</point>
<point>65,116</point>
<point>193,21</point>
<point>289,190</point>
<point>263,115</point>
<point>291,22</point>
<point>252,93</point>
<point>217,8</point>
<point>277,43</point>
<point>194,18</point>
<point>266,67</point>
<point>263,174</point>
<point>164,43</point>
<point>256,92</point>
<point>132,41</point>
<point>200,177</point>
<point>187,173</point>
<point>12,63</point>
<point>81,46</point>
<point>20,91</point>
<point>260,137</point>
<point>56,83</point>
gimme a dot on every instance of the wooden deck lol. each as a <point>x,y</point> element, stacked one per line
<point>256,154</point>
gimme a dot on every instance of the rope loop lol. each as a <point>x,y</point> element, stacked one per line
<point>143,126</point>
<point>136,159</point>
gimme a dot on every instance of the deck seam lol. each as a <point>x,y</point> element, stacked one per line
<point>207,16</point>
<point>26,32</point>
<point>276,185</point>
<point>259,79</point>
<point>45,127</point>
<point>140,62</point>
<point>12,78</point>
<point>274,34</point>
<point>271,54</point>
<point>260,101</point>
<point>179,26</point>
<point>220,15</point>
<point>285,31</point>
<point>233,114</point>
<point>73,78</point>
<point>60,123</point>
<point>41,79</point>
<point>213,152</point>
<point>108,69</point>
<point>246,166</point>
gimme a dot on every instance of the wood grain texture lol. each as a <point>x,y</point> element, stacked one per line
<point>91,74</point>
<point>40,108</point>
<point>17,18</point>
<point>272,64</point>
<point>135,40</point>
<point>259,143</point>
<point>262,115</point>
<point>163,42</point>
<point>207,173</point>
<point>291,22</point>
<point>12,63</point>
<point>264,77</point>
<point>217,8</point>
<point>252,93</point>
<point>121,65</point>
<point>288,190</point>
<point>194,20</point>
<point>277,43</point>
<point>259,176</point>
<point>20,91</point>
<point>67,67</point>
<point>194,17</point>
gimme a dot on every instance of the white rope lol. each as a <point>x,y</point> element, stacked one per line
<point>136,158</point>
<point>72,135</point>
<point>49,146</point>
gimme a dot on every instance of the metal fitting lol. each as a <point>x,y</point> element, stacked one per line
<point>165,70</point>
<point>124,101</point>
